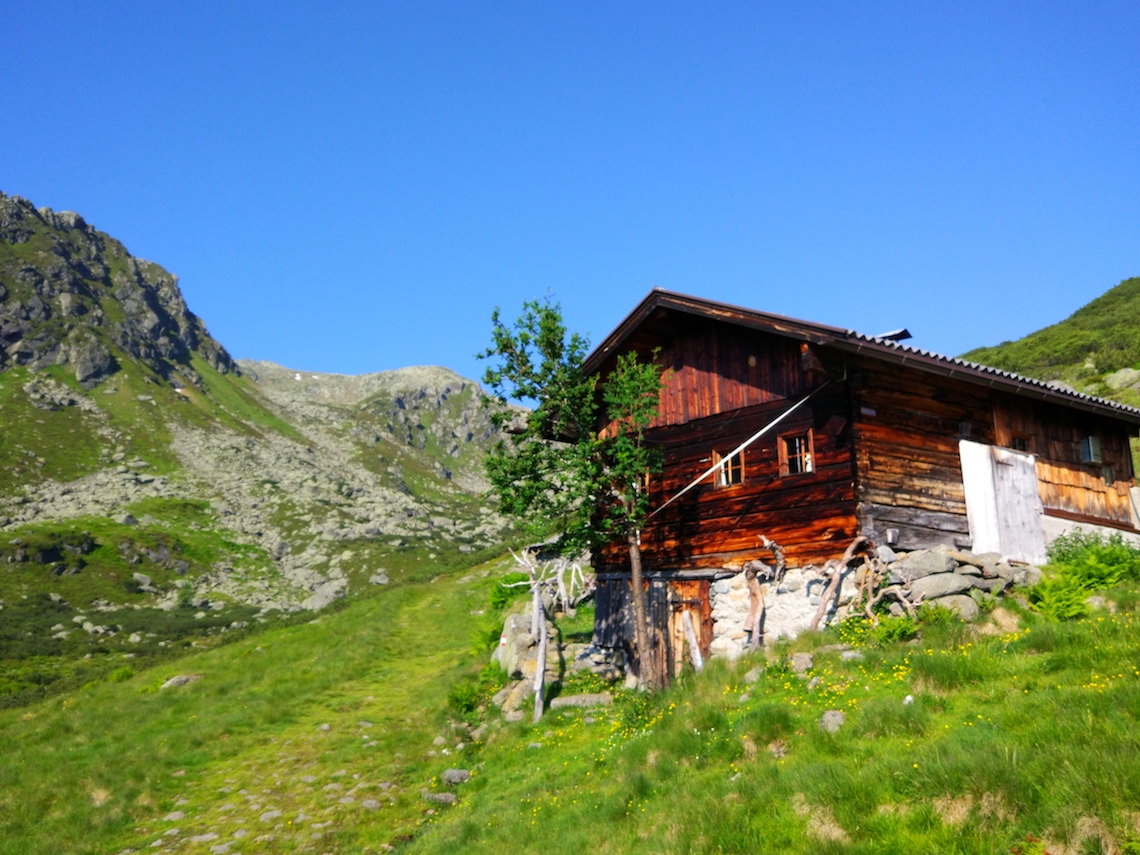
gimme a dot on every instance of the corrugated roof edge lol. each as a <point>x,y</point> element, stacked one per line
<point>1011,376</point>
<point>855,341</point>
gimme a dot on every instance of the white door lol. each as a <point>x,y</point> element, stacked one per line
<point>1003,504</point>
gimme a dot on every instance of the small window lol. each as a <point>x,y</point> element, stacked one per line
<point>1109,475</point>
<point>1019,443</point>
<point>732,471</point>
<point>796,454</point>
<point>1090,450</point>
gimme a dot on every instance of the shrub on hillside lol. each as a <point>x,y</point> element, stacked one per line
<point>1084,562</point>
<point>1096,561</point>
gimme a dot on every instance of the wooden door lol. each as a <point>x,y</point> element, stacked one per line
<point>692,596</point>
<point>1003,503</point>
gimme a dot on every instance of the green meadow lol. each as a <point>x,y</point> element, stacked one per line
<point>1016,734</point>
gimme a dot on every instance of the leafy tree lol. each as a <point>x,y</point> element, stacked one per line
<point>577,463</point>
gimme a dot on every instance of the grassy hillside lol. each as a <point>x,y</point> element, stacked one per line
<point>1095,341</point>
<point>1018,735</point>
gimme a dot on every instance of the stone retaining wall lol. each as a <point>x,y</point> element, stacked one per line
<point>943,576</point>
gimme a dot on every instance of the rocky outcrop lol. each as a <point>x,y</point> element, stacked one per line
<point>71,295</point>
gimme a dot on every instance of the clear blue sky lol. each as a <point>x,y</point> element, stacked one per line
<point>354,187</point>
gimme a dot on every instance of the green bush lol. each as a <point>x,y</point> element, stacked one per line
<point>1083,562</point>
<point>475,690</point>
<point>502,595</point>
<point>1060,598</point>
<point>933,615</point>
<point>1097,561</point>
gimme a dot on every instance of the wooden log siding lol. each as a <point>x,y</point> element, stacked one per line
<point>906,430</point>
<point>812,515</point>
<point>712,370</point>
<point>1068,486</point>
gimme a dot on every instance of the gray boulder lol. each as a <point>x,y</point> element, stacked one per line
<point>886,554</point>
<point>922,563</point>
<point>964,605</point>
<point>180,680</point>
<point>941,585</point>
<point>992,586</point>
<point>456,776</point>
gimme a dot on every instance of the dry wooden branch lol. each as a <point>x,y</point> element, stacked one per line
<point>836,569</point>
<point>754,571</point>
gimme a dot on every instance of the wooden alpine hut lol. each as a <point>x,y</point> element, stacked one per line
<point>810,435</point>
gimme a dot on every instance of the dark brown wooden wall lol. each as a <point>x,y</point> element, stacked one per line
<point>1068,486</point>
<point>907,424</point>
<point>811,515</point>
<point>713,369</point>
<point>886,452</point>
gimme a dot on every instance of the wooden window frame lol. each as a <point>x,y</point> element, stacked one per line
<point>1091,450</point>
<point>1022,442</point>
<point>806,450</point>
<point>731,474</point>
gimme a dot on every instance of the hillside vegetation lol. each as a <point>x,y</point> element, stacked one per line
<point>155,495</point>
<point>1095,350</point>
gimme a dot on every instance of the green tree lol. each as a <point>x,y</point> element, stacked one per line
<point>576,464</point>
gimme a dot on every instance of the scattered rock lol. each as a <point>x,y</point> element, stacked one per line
<point>439,798</point>
<point>180,680</point>
<point>964,605</point>
<point>754,674</point>
<point>599,699</point>
<point>456,776</point>
<point>801,663</point>
<point>832,720</point>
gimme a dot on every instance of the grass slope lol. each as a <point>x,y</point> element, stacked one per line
<point>321,737</point>
<point>1026,735</point>
<point>97,770</point>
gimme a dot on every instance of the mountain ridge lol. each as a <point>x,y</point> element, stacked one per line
<point>142,468</point>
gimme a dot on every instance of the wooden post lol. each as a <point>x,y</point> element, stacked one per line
<point>755,605</point>
<point>540,668</point>
<point>646,673</point>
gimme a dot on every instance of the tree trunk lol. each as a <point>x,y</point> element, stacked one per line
<point>540,668</point>
<point>646,671</point>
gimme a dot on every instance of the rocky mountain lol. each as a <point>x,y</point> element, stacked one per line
<point>142,470</point>
<point>74,296</point>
